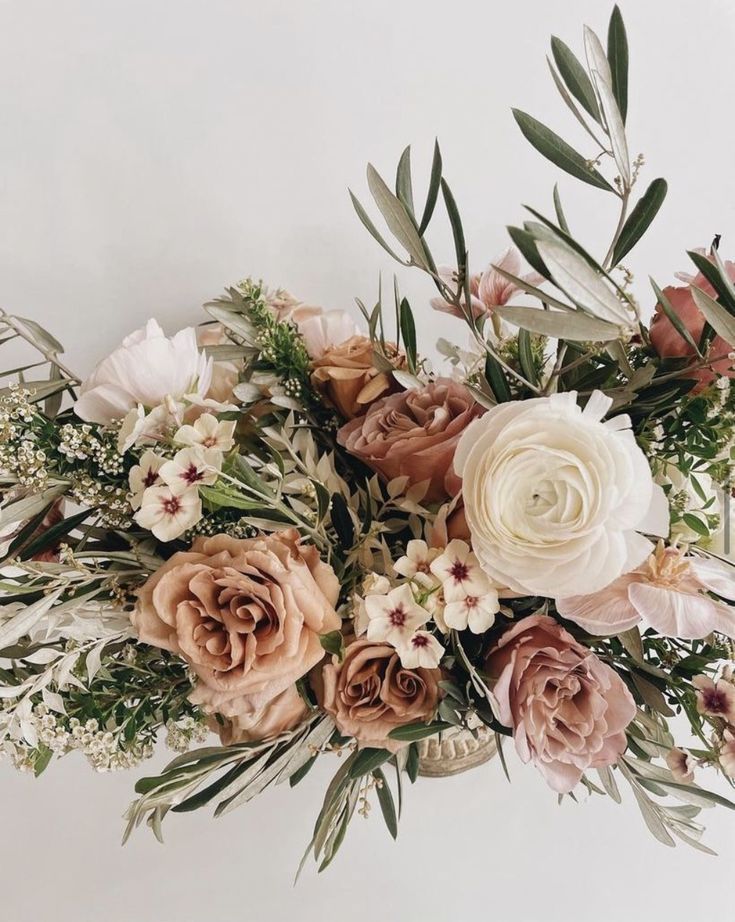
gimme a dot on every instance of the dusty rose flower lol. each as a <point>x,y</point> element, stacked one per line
<point>669,344</point>
<point>370,693</point>
<point>414,434</point>
<point>668,593</point>
<point>681,765</point>
<point>246,614</point>
<point>727,754</point>
<point>347,376</point>
<point>488,289</point>
<point>284,712</point>
<point>568,710</point>
<point>715,699</point>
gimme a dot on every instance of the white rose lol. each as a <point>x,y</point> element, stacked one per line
<point>556,499</point>
<point>145,369</point>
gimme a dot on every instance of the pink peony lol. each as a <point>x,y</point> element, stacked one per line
<point>568,710</point>
<point>669,593</point>
<point>488,289</point>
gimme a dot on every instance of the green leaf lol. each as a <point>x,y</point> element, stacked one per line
<point>396,217</point>
<point>710,271</point>
<point>457,231</point>
<point>555,149</point>
<point>527,245</point>
<point>387,805</point>
<point>640,219</point>
<point>367,760</point>
<point>602,78</point>
<point>404,188</point>
<point>412,763</point>
<point>696,524</point>
<point>495,377</point>
<point>574,326</point>
<point>575,77</point>
<point>301,772</point>
<point>333,643</point>
<point>434,184</point>
<point>560,216</point>
<point>617,55</point>
<point>371,228</point>
<point>581,282</point>
<point>525,356</point>
<point>675,320</point>
<point>51,536</point>
<point>408,331</point>
<point>41,336</point>
<point>413,732</point>
<point>722,322</point>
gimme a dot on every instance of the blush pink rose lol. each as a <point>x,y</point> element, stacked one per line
<point>245,613</point>
<point>414,434</point>
<point>568,710</point>
<point>670,344</point>
<point>284,712</point>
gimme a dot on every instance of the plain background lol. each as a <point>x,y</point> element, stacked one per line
<point>152,152</point>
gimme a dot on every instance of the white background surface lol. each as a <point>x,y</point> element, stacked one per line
<point>152,152</point>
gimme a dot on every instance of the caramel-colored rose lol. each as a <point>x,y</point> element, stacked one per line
<point>245,613</point>
<point>415,434</point>
<point>347,376</point>
<point>284,712</point>
<point>568,710</point>
<point>369,694</point>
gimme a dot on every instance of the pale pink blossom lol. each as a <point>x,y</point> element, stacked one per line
<point>394,617</point>
<point>144,474</point>
<point>420,651</point>
<point>144,428</point>
<point>168,512</point>
<point>373,584</point>
<point>681,765</point>
<point>488,289</point>
<point>476,612</point>
<point>727,754</point>
<point>459,572</point>
<point>416,563</point>
<point>208,432</point>
<point>145,369</point>
<point>668,592</point>
<point>191,467</point>
<point>323,330</point>
<point>715,699</point>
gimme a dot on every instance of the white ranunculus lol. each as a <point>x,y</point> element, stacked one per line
<point>555,499</point>
<point>148,367</point>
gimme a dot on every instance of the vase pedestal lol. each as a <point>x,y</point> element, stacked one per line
<point>454,751</point>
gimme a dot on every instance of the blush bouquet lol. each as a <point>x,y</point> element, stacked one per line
<point>284,536</point>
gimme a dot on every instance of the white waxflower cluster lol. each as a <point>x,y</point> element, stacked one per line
<point>79,443</point>
<point>182,735</point>
<point>111,501</point>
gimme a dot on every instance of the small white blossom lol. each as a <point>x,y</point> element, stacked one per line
<point>373,584</point>
<point>169,511</point>
<point>416,564</point>
<point>395,616</point>
<point>143,475</point>
<point>420,651</point>
<point>459,572</point>
<point>476,612</point>
<point>191,467</point>
<point>208,432</point>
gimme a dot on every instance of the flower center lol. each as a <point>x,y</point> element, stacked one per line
<point>397,616</point>
<point>459,571</point>
<point>471,601</point>
<point>418,640</point>
<point>171,505</point>
<point>715,702</point>
<point>150,477</point>
<point>192,474</point>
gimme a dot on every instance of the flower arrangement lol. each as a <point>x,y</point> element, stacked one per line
<point>294,534</point>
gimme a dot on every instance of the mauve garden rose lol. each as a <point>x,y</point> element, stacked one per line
<point>146,369</point>
<point>245,613</point>
<point>284,712</point>
<point>414,434</point>
<point>568,710</point>
<point>670,344</point>
<point>346,375</point>
<point>370,693</point>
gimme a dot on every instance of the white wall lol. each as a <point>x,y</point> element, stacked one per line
<point>152,152</point>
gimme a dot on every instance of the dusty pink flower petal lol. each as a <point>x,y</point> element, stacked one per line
<point>667,593</point>
<point>681,765</point>
<point>727,754</point>
<point>715,699</point>
<point>567,708</point>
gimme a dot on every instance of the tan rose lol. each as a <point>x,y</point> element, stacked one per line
<point>284,712</point>
<point>369,694</point>
<point>246,614</point>
<point>347,376</point>
<point>568,710</point>
<point>415,434</point>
